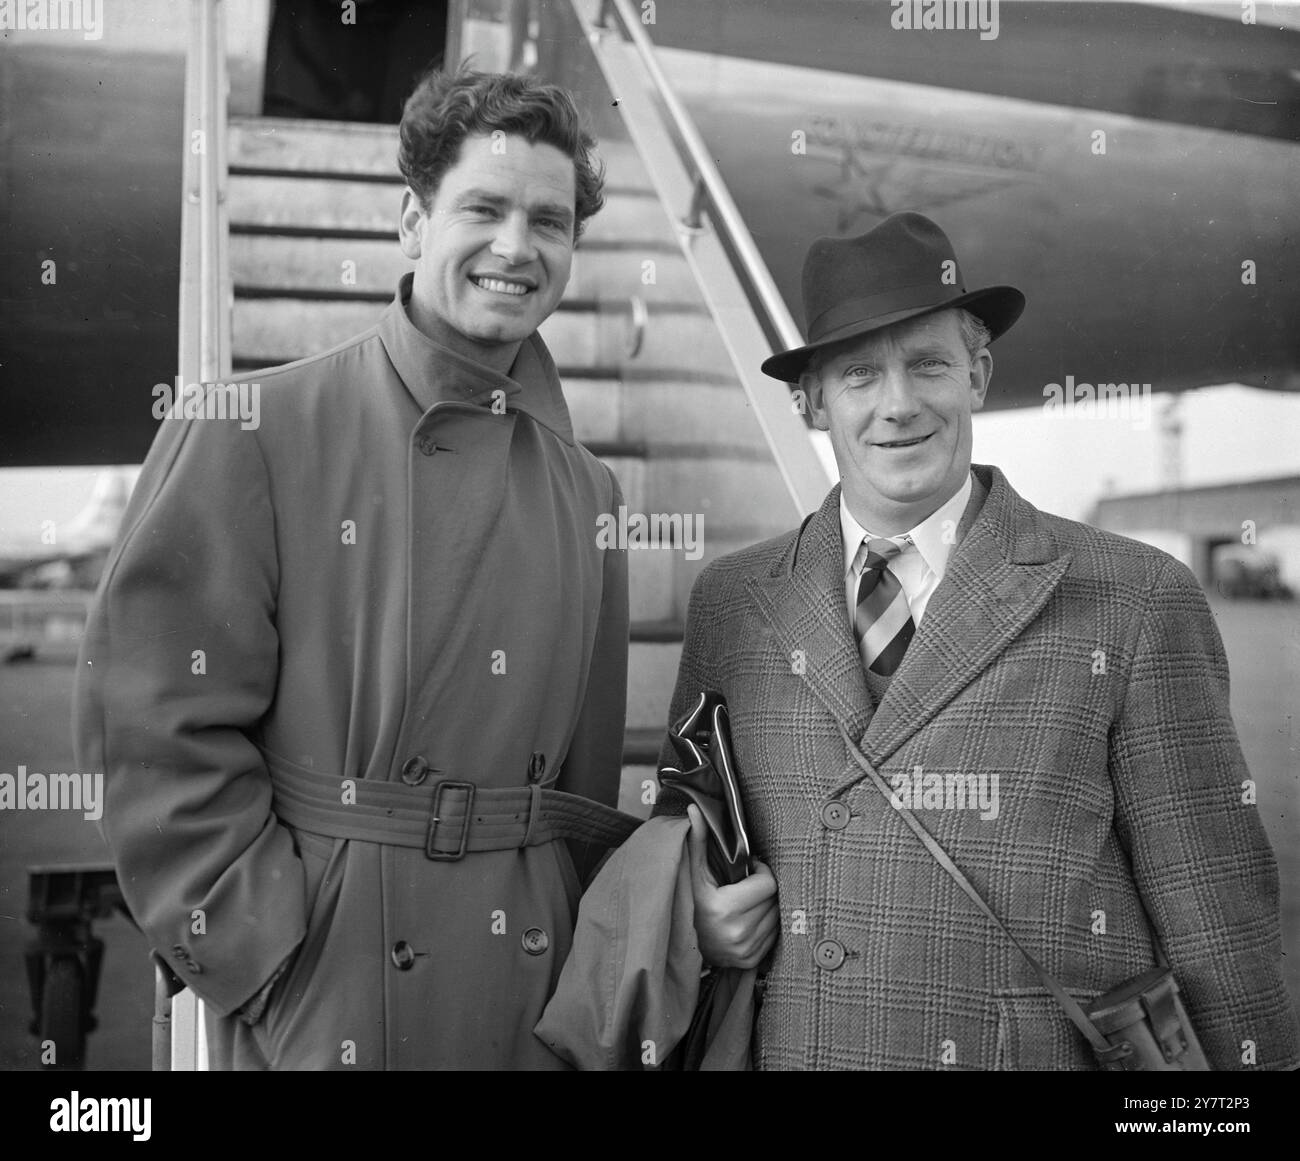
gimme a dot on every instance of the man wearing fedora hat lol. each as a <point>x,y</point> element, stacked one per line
<point>1048,701</point>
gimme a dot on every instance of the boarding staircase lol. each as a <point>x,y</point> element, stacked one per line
<point>289,245</point>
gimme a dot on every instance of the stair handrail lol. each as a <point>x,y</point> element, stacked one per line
<point>203,356</point>
<point>710,186</point>
<point>204,331</point>
<point>804,470</point>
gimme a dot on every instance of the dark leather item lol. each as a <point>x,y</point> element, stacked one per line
<point>1147,1026</point>
<point>706,774</point>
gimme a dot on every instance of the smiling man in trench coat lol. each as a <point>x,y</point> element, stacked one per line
<point>357,676</point>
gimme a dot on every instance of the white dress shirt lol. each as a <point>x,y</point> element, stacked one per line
<point>921,565</point>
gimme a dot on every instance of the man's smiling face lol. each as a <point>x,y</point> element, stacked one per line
<point>898,403</point>
<point>494,250</point>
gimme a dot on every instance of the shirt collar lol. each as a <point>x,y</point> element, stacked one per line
<point>433,373</point>
<point>933,538</point>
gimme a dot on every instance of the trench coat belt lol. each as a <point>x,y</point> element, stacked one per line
<point>446,819</point>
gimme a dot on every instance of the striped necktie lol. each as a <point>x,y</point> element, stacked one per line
<point>882,622</point>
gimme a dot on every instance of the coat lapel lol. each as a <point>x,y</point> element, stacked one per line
<point>1000,575</point>
<point>803,600</point>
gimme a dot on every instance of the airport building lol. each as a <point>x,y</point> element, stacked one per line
<point>1234,536</point>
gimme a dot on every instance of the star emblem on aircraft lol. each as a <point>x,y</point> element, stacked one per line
<point>880,186</point>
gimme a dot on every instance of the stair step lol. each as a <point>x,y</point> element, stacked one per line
<point>662,411</point>
<point>358,207</point>
<point>313,204</point>
<point>671,336</point>
<point>658,632</point>
<point>293,264</point>
<point>609,269</point>
<point>641,746</point>
<point>343,148</point>
<point>651,675</point>
<point>730,499</point>
<point>349,149</point>
<point>659,580</point>
<point>266,332</point>
<point>638,782</point>
<point>654,583</point>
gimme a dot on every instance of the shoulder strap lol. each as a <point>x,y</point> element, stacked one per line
<point>1067,1002</point>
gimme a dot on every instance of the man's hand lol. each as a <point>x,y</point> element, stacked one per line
<point>736,924</point>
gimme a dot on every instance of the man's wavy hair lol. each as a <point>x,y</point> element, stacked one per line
<point>447,107</point>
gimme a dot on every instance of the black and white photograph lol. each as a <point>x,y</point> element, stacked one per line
<point>650,535</point>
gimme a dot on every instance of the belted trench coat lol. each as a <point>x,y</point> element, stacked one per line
<point>391,582</point>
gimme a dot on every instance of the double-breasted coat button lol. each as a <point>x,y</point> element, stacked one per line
<point>403,955</point>
<point>835,816</point>
<point>535,941</point>
<point>179,952</point>
<point>194,967</point>
<point>427,445</point>
<point>828,955</point>
<point>415,770</point>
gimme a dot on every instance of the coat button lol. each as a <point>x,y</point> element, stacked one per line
<point>194,967</point>
<point>427,445</point>
<point>403,956</point>
<point>828,955</point>
<point>415,770</point>
<point>835,816</point>
<point>179,952</point>
<point>537,766</point>
<point>536,941</point>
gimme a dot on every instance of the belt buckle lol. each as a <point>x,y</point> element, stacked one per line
<point>448,856</point>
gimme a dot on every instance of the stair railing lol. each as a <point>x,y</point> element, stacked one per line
<point>204,345</point>
<point>204,357</point>
<point>737,286</point>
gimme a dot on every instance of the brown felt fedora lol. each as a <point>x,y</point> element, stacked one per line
<point>897,271</point>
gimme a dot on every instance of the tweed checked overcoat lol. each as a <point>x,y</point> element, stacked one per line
<point>392,581</point>
<point>1082,671</point>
